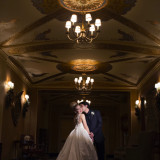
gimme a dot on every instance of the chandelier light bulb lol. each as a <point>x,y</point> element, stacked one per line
<point>80,78</point>
<point>92,80</point>
<point>87,81</point>
<point>78,29</point>
<point>68,24</point>
<point>76,80</point>
<point>79,81</point>
<point>74,18</point>
<point>88,17</point>
<point>92,28</point>
<point>88,78</point>
<point>98,22</point>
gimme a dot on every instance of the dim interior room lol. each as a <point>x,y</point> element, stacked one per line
<point>105,53</point>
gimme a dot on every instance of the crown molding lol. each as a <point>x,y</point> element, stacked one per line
<point>154,70</point>
<point>13,67</point>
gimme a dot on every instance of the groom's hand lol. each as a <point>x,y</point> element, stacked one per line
<point>91,135</point>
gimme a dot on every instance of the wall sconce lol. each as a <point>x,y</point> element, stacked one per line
<point>9,86</point>
<point>25,105</point>
<point>157,86</point>
<point>138,108</point>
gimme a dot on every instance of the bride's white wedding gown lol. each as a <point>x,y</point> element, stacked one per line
<point>78,146</point>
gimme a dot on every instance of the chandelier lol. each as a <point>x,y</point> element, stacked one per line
<point>87,32</point>
<point>83,84</point>
<point>88,101</point>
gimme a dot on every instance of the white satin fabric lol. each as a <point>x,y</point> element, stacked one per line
<point>78,146</point>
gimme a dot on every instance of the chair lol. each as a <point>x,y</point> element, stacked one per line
<point>30,150</point>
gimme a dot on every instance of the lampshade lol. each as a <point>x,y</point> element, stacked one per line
<point>76,80</point>
<point>157,85</point>
<point>98,22</point>
<point>68,24</point>
<point>80,78</point>
<point>88,17</point>
<point>11,84</point>
<point>78,29</point>
<point>92,80</point>
<point>26,97</point>
<point>92,28</point>
<point>88,78</point>
<point>74,18</point>
<point>137,102</point>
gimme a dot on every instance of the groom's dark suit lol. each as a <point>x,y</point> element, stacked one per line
<point>94,122</point>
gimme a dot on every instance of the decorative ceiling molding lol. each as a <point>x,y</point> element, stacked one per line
<point>131,25</point>
<point>121,79</point>
<point>15,68</point>
<point>149,74</point>
<point>83,5</point>
<point>31,27</point>
<point>108,45</point>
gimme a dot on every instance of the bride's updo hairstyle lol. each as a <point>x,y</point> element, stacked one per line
<point>73,105</point>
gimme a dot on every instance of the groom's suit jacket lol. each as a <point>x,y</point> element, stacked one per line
<point>94,122</point>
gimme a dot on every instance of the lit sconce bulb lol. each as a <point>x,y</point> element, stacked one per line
<point>74,18</point>
<point>10,85</point>
<point>76,80</point>
<point>26,97</point>
<point>88,17</point>
<point>145,102</point>
<point>137,102</point>
<point>78,101</point>
<point>157,86</point>
<point>68,25</point>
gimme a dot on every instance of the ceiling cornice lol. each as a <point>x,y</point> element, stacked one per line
<point>136,48</point>
<point>149,75</point>
<point>16,69</point>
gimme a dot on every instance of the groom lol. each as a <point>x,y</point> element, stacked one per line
<point>94,122</point>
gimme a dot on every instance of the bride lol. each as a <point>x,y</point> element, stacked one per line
<point>79,145</point>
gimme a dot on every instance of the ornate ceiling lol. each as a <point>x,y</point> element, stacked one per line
<point>126,53</point>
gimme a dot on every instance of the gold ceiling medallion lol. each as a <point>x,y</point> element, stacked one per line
<point>83,5</point>
<point>83,65</point>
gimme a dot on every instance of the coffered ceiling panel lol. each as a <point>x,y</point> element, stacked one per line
<point>32,36</point>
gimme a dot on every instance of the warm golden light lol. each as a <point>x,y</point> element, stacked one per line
<point>84,65</point>
<point>9,85</point>
<point>85,33</point>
